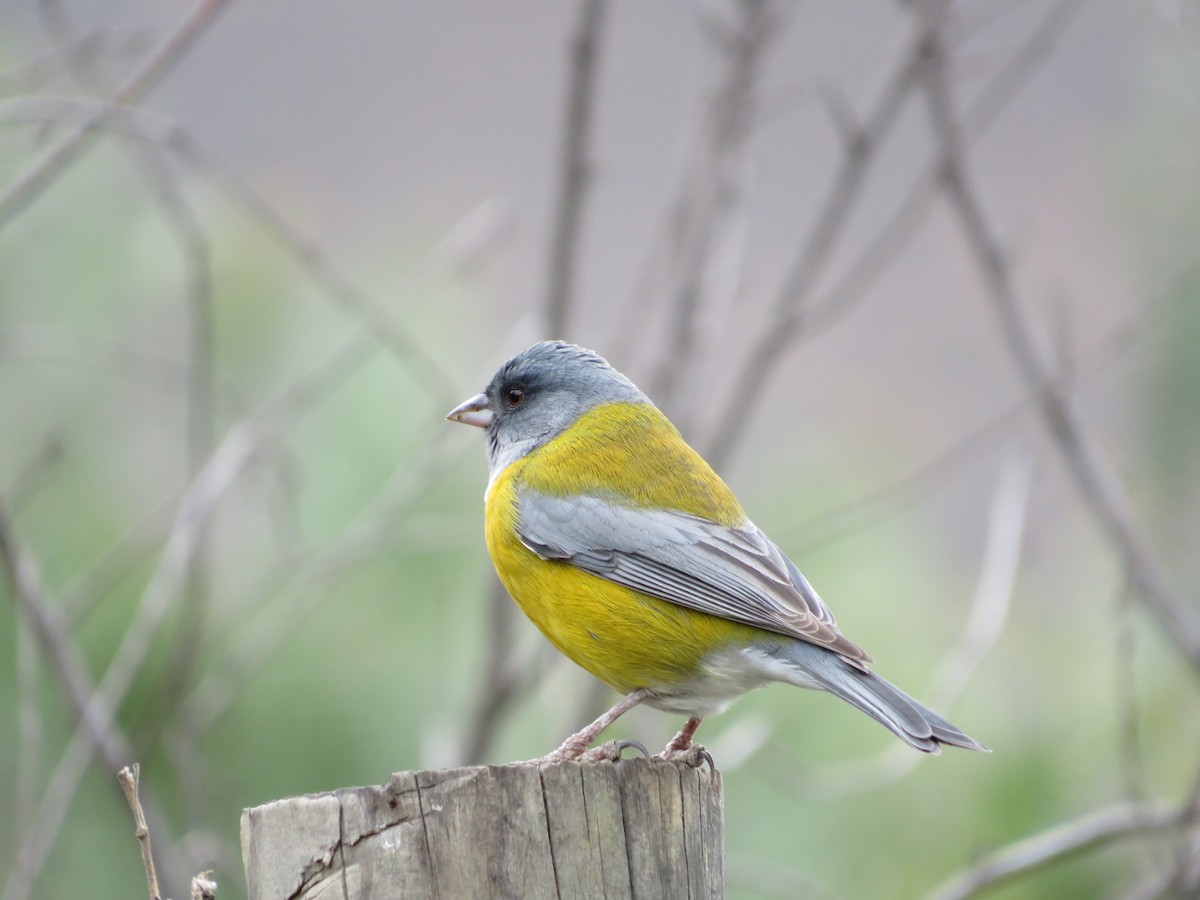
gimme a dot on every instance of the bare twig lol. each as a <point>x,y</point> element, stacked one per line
<point>837,522</point>
<point>814,253</point>
<point>197,258</point>
<point>386,327</point>
<point>1056,844</point>
<point>896,233</point>
<point>94,715</point>
<point>500,680</point>
<point>1031,350</point>
<point>128,778</point>
<point>96,731</point>
<point>302,587</point>
<point>574,166</point>
<point>712,196</point>
<point>904,224</point>
<point>29,185</point>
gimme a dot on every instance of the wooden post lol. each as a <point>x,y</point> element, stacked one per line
<point>630,829</point>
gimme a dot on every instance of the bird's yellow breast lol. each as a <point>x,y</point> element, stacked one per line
<point>632,455</point>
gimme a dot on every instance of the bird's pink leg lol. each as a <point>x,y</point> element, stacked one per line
<point>576,746</point>
<point>681,748</point>
<point>682,742</point>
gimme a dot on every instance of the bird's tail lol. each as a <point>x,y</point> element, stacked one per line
<point>915,724</point>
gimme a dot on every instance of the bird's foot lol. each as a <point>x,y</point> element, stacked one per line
<point>575,751</point>
<point>693,754</point>
<point>682,749</point>
<point>611,751</point>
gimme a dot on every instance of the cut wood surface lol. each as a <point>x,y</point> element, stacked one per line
<point>635,828</point>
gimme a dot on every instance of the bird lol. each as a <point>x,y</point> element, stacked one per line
<point>637,562</point>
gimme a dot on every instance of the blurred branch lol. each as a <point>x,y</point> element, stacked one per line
<point>30,730</point>
<point>574,166</point>
<point>904,224</point>
<point>836,523</point>
<point>856,162</point>
<point>712,195</point>
<point>30,184</point>
<point>257,638</point>
<point>1035,358</point>
<point>501,680</point>
<point>997,579</point>
<point>96,731</point>
<point>141,124</point>
<point>97,43</point>
<point>198,302</point>
<point>790,317</point>
<point>299,590</point>
<point>1056,844</point>
<point>94,714</point>
<point>35,474</point>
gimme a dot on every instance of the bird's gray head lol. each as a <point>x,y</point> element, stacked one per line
<point>537,394</point>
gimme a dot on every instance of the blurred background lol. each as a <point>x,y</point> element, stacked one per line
<point>919,279</point>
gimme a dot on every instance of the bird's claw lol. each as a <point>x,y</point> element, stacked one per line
<point>695,755</point>
<point>612,750</point>
<point>607,752</point>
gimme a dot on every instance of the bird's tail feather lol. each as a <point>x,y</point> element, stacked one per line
<point>914,723</point>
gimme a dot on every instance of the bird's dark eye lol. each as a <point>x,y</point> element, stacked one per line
<point>514,397</point>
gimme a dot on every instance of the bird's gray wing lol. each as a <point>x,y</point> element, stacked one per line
<point>734,573</point>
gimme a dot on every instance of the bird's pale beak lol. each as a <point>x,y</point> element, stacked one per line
<point>473,412</point>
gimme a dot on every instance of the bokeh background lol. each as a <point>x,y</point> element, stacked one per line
<point>236,306</point>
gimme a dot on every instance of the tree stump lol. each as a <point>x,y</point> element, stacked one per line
<point>631,829</point>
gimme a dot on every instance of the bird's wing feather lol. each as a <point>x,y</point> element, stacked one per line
<point>734,573</point>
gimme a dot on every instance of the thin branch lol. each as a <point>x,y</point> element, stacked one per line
<point>165,585</point>
<point>198,301</point>
<point>1056,844</point>
<point>574,166</point>
<point>385,326</point>
<point>257,638</point>
<point>30,184</point>
<point>813,255</point>
<point>894,236</point>
<point>128,778</point>
<point>94,715</point>
<point>712,198</point>
<point>96,730</point>
<point>905,223</point>
<point>302,587</point>
<point>1035,358</point>
<point>836,523</point>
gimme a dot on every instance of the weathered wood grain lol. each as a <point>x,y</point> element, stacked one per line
<point>631,829</point>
